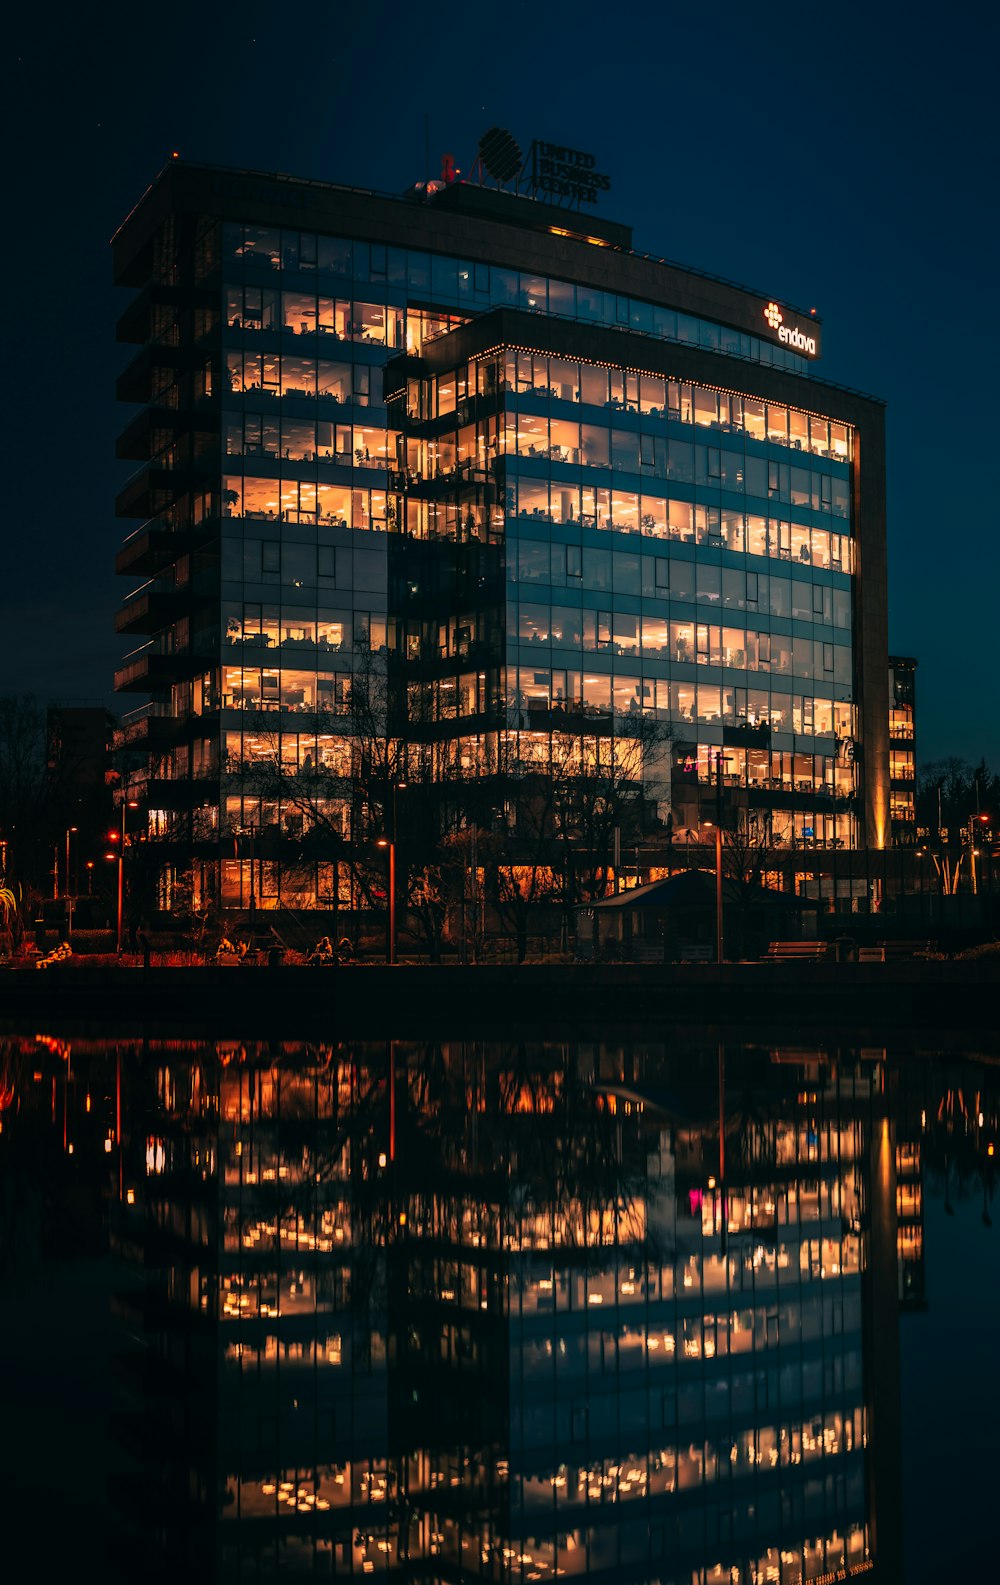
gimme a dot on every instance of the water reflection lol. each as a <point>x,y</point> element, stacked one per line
<point>515,1311</point>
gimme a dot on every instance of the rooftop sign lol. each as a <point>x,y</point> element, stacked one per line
<point>552,171</point>
<point>790,329</point>
<point>562,173</point>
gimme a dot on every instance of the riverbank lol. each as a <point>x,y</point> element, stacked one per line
<point>793,1000</point>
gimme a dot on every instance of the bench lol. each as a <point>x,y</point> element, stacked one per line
<point>797,951</point>
<point>908,949</point>
<point>894,951</point>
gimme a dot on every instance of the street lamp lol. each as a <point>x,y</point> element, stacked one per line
<point>718,887</point>
<point>129,803</point>
<point>69,890</point>
<point>251,832</point>
<point>720,760</point>
<point>390,843</point>
<point>976,824</point>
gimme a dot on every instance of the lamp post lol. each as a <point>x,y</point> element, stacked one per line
<point>718,894</point>
<point>69,890</point>
<point>127,803</point>
<point>688,834</point>
<point>718,888</point>
<point>720,758</point>
<point>977,824</point>
<point>390,843</point>
<point>247,831</point>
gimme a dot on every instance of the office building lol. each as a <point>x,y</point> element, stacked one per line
<point>575,506</point>
<point>903,749</point>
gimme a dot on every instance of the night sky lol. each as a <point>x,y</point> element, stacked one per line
<point>833,157</point>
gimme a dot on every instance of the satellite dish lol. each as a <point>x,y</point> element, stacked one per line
<point>500,154</point>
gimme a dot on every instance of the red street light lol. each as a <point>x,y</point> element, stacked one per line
<point>119,837</point>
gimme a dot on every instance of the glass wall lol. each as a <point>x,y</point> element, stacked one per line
<point>672,550</point>
<point>390,274</point>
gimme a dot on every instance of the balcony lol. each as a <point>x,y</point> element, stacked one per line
<point>148,610</point>
<point>135,325</point>
<point>157,544</point>
<point>146,434</point>
<point>151,488</point>
<point>152,726</point>
<point>145,671</point>
<point>176,795</point>
<point>135,443</point>
<point>149,549</point>
<point>135,383</point>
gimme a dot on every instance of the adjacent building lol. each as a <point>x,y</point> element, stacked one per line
<point>572,505</point>
<point>903,749</point>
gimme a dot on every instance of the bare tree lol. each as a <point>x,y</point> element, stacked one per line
<point>562,810</point>
<point>328,800</point>
<point>749,849</point>
<point>607,795</point>
<point>38,796</point>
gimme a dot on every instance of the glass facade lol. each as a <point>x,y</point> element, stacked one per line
<point>649,543</point>
<point>670,549</point>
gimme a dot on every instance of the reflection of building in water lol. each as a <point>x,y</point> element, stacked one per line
<point>910,1223</point>
<point>266,1360</point>
<point>909,1107</point>
<point>519,1321</point>
<point>664,1365</point>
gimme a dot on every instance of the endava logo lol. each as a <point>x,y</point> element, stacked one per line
<point>791,337</point>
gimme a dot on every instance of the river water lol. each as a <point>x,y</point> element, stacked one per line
<point>609,1309</point>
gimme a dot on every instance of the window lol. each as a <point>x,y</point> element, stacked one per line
<point>662,573</point>
<point>574,561</point>
<point>271,555</point>
<point>326,562</point>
